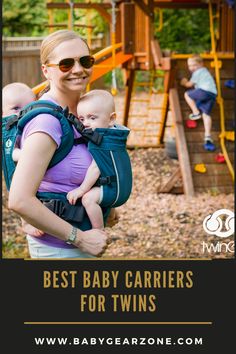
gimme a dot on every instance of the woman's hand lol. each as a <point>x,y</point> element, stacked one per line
<point>93,241</point>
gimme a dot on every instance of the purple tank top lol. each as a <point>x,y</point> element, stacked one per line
<point>67,174</point>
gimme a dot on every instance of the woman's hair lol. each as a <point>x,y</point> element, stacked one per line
<point>53,40</point>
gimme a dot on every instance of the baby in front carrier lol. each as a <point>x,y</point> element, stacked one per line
<point>96,109</point>
<point>14,97</point>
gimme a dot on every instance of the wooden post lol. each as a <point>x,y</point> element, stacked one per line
<point>128,27</point>
<point>128,92</point>
<point>181,144</point>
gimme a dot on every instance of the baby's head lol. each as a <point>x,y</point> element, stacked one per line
<point>14,97</point>
<point>96,109</point>
<point>195,62</point>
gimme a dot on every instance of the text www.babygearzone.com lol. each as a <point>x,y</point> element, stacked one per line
<point>118,341</point>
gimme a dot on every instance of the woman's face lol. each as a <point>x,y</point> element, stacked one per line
<point>77,78</point>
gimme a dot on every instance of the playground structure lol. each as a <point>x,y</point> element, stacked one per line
<point>134,47</point>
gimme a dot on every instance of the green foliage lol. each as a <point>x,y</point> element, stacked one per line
<point>184,31</point>
<point>91,18</point>
<point>28,18</point>
<point>24,17</point>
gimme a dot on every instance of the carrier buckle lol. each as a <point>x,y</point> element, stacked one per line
<point>105,180</point>
<point>92,136</point>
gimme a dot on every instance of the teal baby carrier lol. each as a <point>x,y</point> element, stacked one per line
<point>119,178</point>
<point>114,164</point>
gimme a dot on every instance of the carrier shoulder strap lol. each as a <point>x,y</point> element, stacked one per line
<point>46,107</point>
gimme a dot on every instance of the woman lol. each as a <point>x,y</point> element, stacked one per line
<point>40,139</point>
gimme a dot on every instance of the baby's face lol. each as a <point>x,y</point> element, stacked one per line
<point>93,117</point>
<point>193,65</point>
<point>13,104</point>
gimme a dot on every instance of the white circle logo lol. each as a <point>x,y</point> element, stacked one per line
<point>213,224</point>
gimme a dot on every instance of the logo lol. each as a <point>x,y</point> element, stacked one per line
<point>8,146</point>
<point>214,225</point>
<point>8,143</point>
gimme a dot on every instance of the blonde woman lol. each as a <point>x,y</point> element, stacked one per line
<point>67,65</point>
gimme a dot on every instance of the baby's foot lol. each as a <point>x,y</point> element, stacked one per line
<point>31,230</point>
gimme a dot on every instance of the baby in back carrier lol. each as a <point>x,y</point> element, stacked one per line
<point>15,96</point>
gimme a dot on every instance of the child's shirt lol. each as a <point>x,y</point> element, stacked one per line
<point>203,79</point>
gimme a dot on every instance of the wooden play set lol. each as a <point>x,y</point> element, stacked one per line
<point>134,48</point>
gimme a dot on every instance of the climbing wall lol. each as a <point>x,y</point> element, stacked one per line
<point>217,177</point>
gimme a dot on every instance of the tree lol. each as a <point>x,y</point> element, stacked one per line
<point>24,17</point>
<point>185,31</point>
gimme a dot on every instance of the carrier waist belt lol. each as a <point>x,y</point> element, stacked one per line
<point>65,210</point>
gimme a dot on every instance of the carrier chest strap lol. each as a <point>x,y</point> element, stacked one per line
<point>75,122</point>
<point>93,136</point>
<point>88,134</point>
<point>81,140</point>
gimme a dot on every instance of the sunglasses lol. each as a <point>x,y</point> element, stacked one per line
<point>67,64</point>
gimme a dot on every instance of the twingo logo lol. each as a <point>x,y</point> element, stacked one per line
<point>213,224</point>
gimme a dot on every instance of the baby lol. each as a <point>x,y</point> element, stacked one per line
<point>96,109</point>
<point>14,97</point>
<point>201,97</point>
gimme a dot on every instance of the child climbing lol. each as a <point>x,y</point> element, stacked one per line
<point>201,96</point>
<point>95,109</point>
<point>14,97</point>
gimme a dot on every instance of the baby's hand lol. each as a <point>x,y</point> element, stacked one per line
<point>73,195</point>
<point>183,81</point>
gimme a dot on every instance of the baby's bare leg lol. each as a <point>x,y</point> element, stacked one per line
<point>90,201</point>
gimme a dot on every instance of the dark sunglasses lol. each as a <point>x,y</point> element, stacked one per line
<point>67,64</point>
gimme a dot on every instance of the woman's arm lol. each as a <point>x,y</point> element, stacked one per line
<point>36,154</point>
<point>16,154</point>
